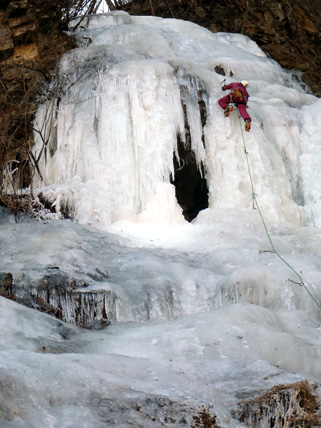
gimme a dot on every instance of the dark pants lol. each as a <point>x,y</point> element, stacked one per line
<point>225,101</point>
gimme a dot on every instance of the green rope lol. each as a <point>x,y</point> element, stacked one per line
<point>301,282</point>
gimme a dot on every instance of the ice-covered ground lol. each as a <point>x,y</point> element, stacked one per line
<point>203,319</point>
<point>225,324</point>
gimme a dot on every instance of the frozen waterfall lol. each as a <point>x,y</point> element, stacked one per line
<point>200,315</point>
<point>137,87</point>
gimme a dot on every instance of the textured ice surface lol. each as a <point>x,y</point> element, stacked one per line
<point>231,328</point>
<point>203,319</point>
<point>112,134</point>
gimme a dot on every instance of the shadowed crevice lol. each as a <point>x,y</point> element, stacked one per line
<point>189,179</point>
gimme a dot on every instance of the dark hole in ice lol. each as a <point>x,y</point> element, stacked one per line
<point>189,178</point>
<point>190,185</point>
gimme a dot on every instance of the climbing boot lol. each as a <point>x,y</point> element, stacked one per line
<point>228,110</point>
<point>247,125</point>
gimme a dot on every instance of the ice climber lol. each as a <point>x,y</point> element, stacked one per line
<point>238,96</point>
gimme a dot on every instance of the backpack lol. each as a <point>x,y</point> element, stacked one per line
<point>237,96</point>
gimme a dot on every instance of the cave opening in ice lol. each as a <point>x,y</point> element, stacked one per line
<point>191,188</point>
<point>189,179</point>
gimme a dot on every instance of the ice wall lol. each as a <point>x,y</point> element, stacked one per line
<point>107,139</point>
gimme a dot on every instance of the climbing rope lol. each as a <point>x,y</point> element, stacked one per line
<point>256,204</point>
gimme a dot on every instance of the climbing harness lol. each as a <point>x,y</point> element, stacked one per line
<point>274,251</point>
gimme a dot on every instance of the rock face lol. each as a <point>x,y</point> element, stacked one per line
<point>6,285</point>
<point>289,32</point>
<point>280,406</point>
<point>62,297</point>
<point>31,42</point>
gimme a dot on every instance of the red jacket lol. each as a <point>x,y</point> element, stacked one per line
<point>238,94</point>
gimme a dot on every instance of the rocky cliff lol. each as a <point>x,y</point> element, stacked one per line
<point>288,31</point>
<point>31,41</point>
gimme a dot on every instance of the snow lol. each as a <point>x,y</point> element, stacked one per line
<point>201,317</point>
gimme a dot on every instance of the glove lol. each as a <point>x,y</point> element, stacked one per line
<point>224,88</point>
